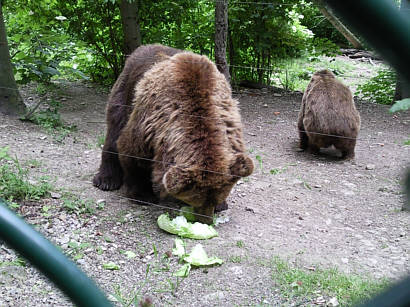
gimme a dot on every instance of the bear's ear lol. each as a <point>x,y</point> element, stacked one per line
<point>242,166</point>
<point>177,180</point>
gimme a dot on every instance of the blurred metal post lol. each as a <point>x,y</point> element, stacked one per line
<point>45,256</point>
<point>406,205</point>
<point>382,25</point>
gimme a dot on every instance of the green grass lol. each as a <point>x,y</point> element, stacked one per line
<point>17,262</point>
<point>302,286</point>
<point>15,183</point>
<point>100,140</point>
<point>240,244</point>
<point>78,206</point>
<point>134,297</point>
<point>235,259</point>
<point>407,142</point>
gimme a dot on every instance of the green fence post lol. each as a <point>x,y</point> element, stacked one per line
<point>45,256</point>
<point>383,27</point>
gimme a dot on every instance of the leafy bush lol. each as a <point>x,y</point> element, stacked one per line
<point>14,182</point>
<point>380,88</point>
<point>314,20</point>
<point>323,46</point>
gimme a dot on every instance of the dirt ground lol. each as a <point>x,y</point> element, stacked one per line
<point>312,211</point>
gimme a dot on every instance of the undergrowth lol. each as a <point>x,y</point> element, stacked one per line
<point>15,183</point>
<point>379,89</point>
<point>301,285</point>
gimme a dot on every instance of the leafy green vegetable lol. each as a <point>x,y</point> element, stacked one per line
<point>130,254</point>
<point>188,212</point>
<point>111,266</point>
<point>183,271</point>
<point>179,249</point>
<point>180,226</point>
<point>198,257</point>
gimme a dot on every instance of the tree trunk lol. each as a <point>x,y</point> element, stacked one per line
<point>221,31</point>
<point>338,25</point>
<point>130,25</point>
<point>403,88</point>
<point>231,49</point>
<point>11,102</point>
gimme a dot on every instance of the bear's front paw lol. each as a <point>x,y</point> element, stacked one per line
<point>107,183</point>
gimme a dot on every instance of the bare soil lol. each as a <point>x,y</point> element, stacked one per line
<point>315,211</point>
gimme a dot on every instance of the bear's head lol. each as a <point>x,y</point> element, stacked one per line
<point>205,189</point>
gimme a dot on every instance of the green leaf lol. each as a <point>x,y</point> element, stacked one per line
<point>4,154</point>
<point>179,249</point>
<point>180,226</point>
<point>183,271</point>
<point>188,212</point>
<point>50,70</point>
<point>198,257</point>
<point>400,105</point>
<point>130,254</point>
<point>111,266</point>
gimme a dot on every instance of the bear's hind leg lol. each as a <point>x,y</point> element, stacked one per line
<point>347,148</point>
<point>303,138</point>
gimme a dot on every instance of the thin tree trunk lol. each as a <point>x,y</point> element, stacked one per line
<point>221,31</point>
<point>338,25</point>
<point>403,88</point>
<point>231,49</point>
<point>11,102</point>
<point>130,25</point>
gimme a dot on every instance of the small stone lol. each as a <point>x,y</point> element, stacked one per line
<point>250,209</point>
<point>236,270</point>
<point>277,95</point>
<point>333,302</point>
<point>345,260</point>
<point>55,195</point>
<point>370,167</point>
<point>216,296</point>
<point>347,193</point>
<point>100,201</point>
<point>320,300</point>
<point>349,184</point>
<point>318,186</point>
<point>296,182</point>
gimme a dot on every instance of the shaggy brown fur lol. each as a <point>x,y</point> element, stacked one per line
<point>185,117</point>
<point>328,108</point>
<point>119,108</point>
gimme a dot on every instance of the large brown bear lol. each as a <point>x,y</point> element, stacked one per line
<point>183,126</point>
<point>328,115</point>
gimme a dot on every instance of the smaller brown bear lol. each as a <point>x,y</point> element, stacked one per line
<point>328,116</point>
